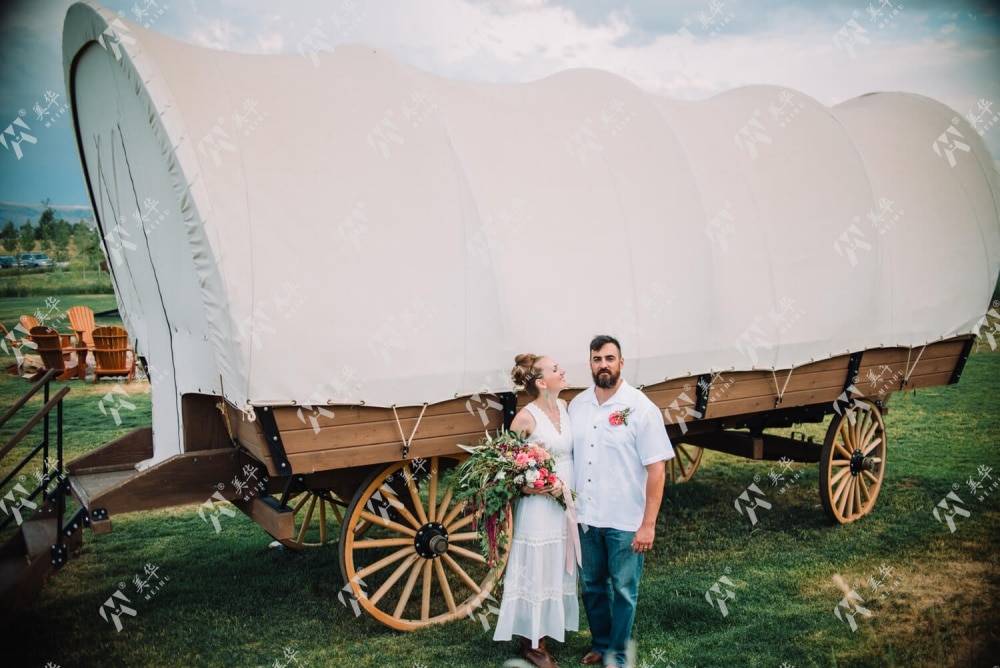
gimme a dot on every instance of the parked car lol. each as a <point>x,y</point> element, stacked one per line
<point>34,260</point>
<point>7,261</point>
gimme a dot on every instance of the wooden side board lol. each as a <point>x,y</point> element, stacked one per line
<point>339,437</point>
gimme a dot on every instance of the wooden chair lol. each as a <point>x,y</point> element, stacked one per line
<point>81,321</point>
<point>112,354</point>
<point>28,322</point>
<point>56,351</point>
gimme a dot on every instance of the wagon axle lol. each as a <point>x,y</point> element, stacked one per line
<point>861,463</point>
<point>431,540</point>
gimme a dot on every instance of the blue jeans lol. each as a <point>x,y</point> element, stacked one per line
<point>610,583</point>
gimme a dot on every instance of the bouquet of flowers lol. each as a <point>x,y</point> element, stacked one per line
<point>493,476</point>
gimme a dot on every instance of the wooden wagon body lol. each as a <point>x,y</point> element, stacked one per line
<point>308,364</point>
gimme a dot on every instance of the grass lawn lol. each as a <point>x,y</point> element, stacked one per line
<point>917,593</point>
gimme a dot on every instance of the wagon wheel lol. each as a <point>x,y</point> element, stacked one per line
<point>852,463</point>
<point>315,511</point>
<point>685,462</point>
<point>408,552</point>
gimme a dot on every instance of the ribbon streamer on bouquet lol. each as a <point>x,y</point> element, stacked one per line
<point>573,550</point>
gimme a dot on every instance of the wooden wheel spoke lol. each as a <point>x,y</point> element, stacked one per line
<point>385,561</point>
<point>432,489</point>
<point>460,572</point>
<point>382,542</point>
<point>393,578</point>
<point>388,524</point>
<point>389,495</point>
<point>468,554</point>
<point>840,475</point>
<point>461,537</point>
<point>449,598</point>
<point>404,597</point>
<point>425,598</point>
<point>843,494</point>
<point>443,507</point>
<point>870,477</point>
<point>459,524</point>
<point>453,513</point>
<point>308,518</point>
<point>840,462</point>
<point>842,451</point>
<point>874,444</point>
<point>418,504</point>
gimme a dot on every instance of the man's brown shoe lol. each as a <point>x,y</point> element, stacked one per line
<point>591,659</point>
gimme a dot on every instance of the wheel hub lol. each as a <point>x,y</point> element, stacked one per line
<point>858,462</point>
<point>431,540</point>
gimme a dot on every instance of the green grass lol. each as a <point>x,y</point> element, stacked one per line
<point>233,601</point>
<point>47,281</point>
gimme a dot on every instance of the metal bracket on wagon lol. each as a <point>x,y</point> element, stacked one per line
<point>268,425</point>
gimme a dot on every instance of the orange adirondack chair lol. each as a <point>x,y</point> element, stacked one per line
<point>112,354</point>
<point>28,322</point>
<point>56,351</point>
<point>81,321</point>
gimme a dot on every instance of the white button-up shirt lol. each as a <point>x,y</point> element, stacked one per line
<point>610,460</point>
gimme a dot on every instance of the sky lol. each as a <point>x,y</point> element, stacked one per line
<point>683,49</point>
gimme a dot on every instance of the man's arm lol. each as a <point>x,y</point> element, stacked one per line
<point>656,478</point>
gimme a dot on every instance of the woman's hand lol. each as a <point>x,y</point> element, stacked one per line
<point>552,490</point>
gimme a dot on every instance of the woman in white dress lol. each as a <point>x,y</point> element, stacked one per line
<point>539,591</point>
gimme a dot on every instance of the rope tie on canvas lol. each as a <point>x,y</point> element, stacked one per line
<point>399,425</point>
<point>780,392</point>
<point>909,369</point>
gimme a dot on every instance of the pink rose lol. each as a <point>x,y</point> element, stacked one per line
<point>615,419</point>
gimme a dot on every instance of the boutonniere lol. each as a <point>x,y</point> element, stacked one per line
<point>619,417</point>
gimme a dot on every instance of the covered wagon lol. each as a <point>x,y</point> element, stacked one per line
<point>327,262</point>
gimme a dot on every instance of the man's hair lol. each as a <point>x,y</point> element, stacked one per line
<point>602,340</point>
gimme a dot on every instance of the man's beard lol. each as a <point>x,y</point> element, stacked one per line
<point>606,379</point>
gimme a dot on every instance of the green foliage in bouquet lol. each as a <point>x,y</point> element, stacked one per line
<point>493,477</point>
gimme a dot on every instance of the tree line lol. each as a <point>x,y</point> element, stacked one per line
<point>53,236</point>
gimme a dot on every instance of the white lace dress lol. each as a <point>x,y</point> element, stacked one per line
<point>539,595</point>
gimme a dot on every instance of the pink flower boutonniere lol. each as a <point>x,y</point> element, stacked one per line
<point>619,417</point>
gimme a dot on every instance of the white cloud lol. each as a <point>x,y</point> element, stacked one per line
<point>948,28</point>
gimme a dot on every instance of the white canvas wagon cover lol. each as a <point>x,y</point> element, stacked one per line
<point>339,227</point>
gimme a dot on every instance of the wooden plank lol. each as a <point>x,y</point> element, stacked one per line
<point>279,523</point>
<point>304,463</point>
<point>335,438</point>
<point>929,380</point>
<point>180,480</point>
<point>287,417</point>
<point>204,425</point>
<point>123,453</point>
